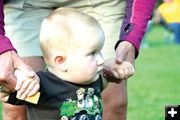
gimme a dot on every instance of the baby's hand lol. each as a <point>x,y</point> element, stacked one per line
<point>124,71</point>
<point>114,72</point>
<point>26,87</point>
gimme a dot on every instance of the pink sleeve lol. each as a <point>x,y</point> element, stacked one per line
<point>137,15</point>
<point>5,44</point>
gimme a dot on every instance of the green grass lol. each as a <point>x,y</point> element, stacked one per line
<point>0,112</point>
<point>157,79</point>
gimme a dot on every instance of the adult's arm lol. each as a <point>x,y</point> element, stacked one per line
<point>137,15</point>
<point>9,59</point>
<point>5,44</point>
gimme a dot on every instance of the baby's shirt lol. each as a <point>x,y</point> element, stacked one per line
<point>60,99</point>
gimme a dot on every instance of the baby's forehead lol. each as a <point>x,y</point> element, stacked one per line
<point>75,25</point>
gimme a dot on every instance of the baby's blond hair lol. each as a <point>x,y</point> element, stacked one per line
<point>56,32</point>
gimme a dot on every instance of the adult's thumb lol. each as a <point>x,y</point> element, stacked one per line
<point>120,53</point>
<point>119,59</point>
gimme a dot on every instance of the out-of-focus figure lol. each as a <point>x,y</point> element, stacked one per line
<point>169,10</point>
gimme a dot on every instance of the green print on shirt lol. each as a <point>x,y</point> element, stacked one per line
<point>88,104</point>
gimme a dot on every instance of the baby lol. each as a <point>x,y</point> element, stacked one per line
<point>71,42</point>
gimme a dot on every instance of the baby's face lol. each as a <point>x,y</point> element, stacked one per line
<point>84,60</point>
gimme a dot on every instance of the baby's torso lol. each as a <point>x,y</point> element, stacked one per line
<point>66,101</point>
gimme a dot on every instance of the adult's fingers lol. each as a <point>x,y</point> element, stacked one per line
<point>7,78</point>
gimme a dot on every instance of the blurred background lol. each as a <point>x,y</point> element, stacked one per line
<point>157,77</point>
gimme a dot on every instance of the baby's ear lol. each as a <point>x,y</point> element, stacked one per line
<point>60,62</point>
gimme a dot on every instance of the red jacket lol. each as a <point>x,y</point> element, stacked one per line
<point>5,43</point>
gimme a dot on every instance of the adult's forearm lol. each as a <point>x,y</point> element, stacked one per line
<point>1,18</point>
<point>5,44</point>
<point>137,15</point>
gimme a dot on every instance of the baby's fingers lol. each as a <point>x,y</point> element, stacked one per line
<point>29,88</point>
<point>34,86</point>
<point>34,90</point>
<point>121,74</point>
<point>26,93</point>
<point>125,73</point>
<point>20,79</point>
<point>18,84</point>
<point>23,91</point>
<point>115,74</point>
<point>129,72</point>
<point>132,71</point>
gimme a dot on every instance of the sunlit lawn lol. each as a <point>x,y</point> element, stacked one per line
<point>156,81</point>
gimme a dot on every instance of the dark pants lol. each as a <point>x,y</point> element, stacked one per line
<point>175,28</point>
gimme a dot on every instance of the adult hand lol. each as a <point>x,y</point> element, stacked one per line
<point>125,52</point>
<point>112,71</point>
<point>9,62</point>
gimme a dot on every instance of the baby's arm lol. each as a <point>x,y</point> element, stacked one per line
<point>115,73</point>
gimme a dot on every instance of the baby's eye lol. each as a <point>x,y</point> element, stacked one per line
<point>93,53</point>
